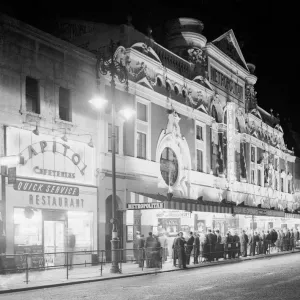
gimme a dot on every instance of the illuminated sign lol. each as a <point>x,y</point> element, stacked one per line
<point>226,83</point>
<point>30,186</point>
<point>257,212</point>
<point>54,147</point>
<point>37,170</point>
<point>155,205</point>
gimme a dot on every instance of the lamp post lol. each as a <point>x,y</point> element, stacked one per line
<point>117,69</point>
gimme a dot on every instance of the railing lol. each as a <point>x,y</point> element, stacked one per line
<point>27,262</point>
<point>152,258</point>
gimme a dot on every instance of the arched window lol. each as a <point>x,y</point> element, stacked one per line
<point>214,114</point>
<point>169,166</point>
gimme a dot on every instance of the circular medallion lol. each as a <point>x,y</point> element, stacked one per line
<point>169,166</point>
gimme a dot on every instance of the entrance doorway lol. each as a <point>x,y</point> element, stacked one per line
<point>55,226</point>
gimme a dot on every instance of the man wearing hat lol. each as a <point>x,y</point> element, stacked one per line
<point>136,247</point>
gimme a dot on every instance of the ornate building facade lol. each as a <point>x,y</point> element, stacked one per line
<point>200,152</point>
<point>200,145</point>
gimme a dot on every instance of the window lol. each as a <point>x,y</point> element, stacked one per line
<point>259,177</point>
<point>276,164</point>
<point>116,140</point>
<point>64,104</point>
<point>199,133</point>
<point>282,184</point>
<point>32,95</point>
<point>252,177</point>
<point>169,166</point>
<point>199,160</point>
<point>141,145</point>
<point>142,112</point>
<point>253,154</point>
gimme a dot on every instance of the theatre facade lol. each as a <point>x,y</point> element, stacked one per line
<point>200,152</point>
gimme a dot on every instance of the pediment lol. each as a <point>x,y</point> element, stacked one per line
<point>228,44</point>
<point>144,82</point>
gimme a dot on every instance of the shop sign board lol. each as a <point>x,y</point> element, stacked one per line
<point>152,205</point>
<point>257,211</point>
<point>12,175</point>
<point>50,158</point>
<point>292,216</point>
<point>173,214</point>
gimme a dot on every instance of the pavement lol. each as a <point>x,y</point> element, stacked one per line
<point>58,277</point>
<point>274,278</point>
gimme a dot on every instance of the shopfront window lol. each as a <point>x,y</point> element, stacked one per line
<point>169,166</point>
<point>81,224</point>
<point>28,227</point>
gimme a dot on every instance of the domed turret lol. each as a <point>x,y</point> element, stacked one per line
<point>184,33</point>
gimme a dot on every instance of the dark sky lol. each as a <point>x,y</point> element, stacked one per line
<point>267,31</point>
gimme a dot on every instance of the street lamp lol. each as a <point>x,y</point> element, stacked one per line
<point>117,69</point>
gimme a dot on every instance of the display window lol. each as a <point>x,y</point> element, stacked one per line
<point>28,228</point>
<point>81,224</point>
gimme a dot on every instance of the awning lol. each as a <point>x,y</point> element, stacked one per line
<point>174,204</point>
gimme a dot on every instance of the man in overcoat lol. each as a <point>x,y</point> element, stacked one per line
<point>292,242</point>
<point>209,245</point>
<point>196,247</point>
<point>219,246</point>
<point>264,242</point>
<point>228,246</point>
<point>236,245</point>
<point>252,244</point>
<point>189,247</point>
<point>244,242</point>
<point>180,249</point>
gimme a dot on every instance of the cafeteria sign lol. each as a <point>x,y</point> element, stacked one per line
<point>137,206</point>
<point>257,211</point>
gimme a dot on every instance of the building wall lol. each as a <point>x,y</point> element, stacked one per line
<point>27,51</point>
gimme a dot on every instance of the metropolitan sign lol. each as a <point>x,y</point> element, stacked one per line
<point>137,206</point>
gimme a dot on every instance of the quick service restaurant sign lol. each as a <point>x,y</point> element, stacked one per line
<point>49,195</point>
<point>50,158</point>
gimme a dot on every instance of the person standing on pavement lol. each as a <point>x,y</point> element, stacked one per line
<point>292,238</point>
<point>174,252</point>
<point>180,249</point>
<point>135,247</point>
<point>296,237</point>
<point>219,246</point>
<point>263,242</point>
<point>141,250</point>
<point>288,237</point>
<point>71,247</point>
<point>196,247</point>
<point>189,247</point>
<point>252,244</point>
<point>244,243</point>
<point>209,245</point>
<point>279,241</point>
<point>164,244</point>
<point>268,240</point>
<point>236,243</point>
<point>228,246</point>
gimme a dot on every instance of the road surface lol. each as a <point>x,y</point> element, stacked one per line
<point>270,278</point>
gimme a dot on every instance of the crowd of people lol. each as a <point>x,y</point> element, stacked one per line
<point>154,250</point>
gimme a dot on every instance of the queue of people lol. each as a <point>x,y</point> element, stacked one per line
<point>212,246</point>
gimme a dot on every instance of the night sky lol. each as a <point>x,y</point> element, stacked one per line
<point>267,32</point>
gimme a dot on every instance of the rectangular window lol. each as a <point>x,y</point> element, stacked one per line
<point>259,177</point>
<point>141,145</point>
<point>289,186</point>
<point>199,160</point>
<point>199,133</point>
<point>276,164</point>
<point>252,177</point>
<point>252,154</point>
<point>142,112</point>
<point>32,95</point>
<point>64,105</point>
<point>282,184</point>
<point>116,139</point>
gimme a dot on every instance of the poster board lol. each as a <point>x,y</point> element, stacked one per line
<point>35,258</point>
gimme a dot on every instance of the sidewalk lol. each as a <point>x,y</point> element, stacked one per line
<point>58,277</point>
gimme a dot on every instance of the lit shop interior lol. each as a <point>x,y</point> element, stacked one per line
<point>171,222</point>
<point>46,231</point>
